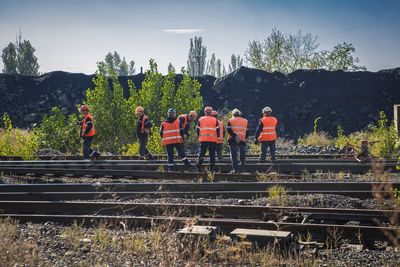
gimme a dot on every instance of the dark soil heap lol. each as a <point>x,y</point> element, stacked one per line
<point>351,99</point>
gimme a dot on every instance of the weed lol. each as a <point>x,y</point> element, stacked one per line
<point>277,195</point>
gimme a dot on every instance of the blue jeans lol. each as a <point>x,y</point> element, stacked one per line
<point>143,146</point>
<point>233,152</point>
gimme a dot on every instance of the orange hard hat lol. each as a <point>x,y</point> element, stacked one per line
<point>139,109</point>
<point>215,113</point>
<point>83,108</point>
<point>208,110</point>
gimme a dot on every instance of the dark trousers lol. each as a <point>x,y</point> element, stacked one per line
<point>143,146</point>
<point>181,152</point>
<point>218,150</point>
<point>233,147</point>
<point>264,146</point>
<point>211,150</point>
<point>87,151</point>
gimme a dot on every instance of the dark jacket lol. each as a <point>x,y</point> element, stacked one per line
<point>170,120</point>
<point>182,120</point>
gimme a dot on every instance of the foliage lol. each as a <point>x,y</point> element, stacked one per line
<point>315,138</point>
<point>171,68</point>
<point>112,112</point>
<point>196,62</point>
<point>113,62</point>
<point>60,132</point>
<point>236,62</point>
<point>287,53</point>
<point>381,136</point>
<point>277,195</point>
<point>162,90</point>
<point>17,142</point>
<point>19,57</point>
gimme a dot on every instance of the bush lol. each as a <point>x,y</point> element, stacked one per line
<point>381,135</point>
<point>60,132</point>
<point>315,138</point>
<point>17,142</point>
<point>154,145</point>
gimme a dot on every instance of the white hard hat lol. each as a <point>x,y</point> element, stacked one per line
<point>266,109</point>
<point>236,111</point>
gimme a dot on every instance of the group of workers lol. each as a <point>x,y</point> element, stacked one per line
<point>210,131</point>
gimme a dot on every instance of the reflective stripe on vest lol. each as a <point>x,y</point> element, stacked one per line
<point>239,127</point>
<point>208,129</point>
<point>268,132</point>
<point>220,139</point>
<point>185,120</point>
<point>92,131</point>
<point>171,133</point>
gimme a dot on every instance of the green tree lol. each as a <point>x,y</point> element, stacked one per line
<point>20,58</point>
<point>287,53</point>
<point>113,62</point>
<point>60,132</point>
<point>211,66</point>
<point>10,60</point>
<point>112,112</point>
<point>171,68</point>
<point>196,62</point>
<point>236,62</point>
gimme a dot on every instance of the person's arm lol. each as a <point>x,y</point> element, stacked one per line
<point>147,123</point>
<point>247,131</point>
<point>258,130</point>
<point>198,128</point>
<point>181,129</point>
<point>161,130</point>
<point>217,128</point>
<point>230,131</point>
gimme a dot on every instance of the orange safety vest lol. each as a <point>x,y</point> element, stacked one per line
<point>185,120</point>
<point>220,139</point>
<point>208,129</point>
<point>143,128</point>
<point>92,131</point>
<point>239,127</point>
<point>268,132</point>
<point>171,133</point>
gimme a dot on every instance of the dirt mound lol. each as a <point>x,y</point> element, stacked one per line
<point>352,99</point>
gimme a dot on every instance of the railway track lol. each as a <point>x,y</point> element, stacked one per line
<point>146,169</point>
<point>242,190</point>
<point>369,223</point>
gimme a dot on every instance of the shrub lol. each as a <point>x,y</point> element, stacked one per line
<point>315,138</point>
<point>60,132</point>
<point>17,142</point>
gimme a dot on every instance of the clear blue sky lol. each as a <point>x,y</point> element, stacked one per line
<point>73,35</point>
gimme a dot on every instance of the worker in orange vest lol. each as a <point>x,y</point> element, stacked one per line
<point>208,131</point>
<point>266,134</point>
<point>172,132</point>
<point>88,131</point>
<point>220,140</point>
<point>238,130</point>
<point>186,119</point>
<point>142,131</point>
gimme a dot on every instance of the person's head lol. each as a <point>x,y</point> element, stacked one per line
<point>208,111</point>
<point>192,115</point>
<point>236,112</point>
<point>215,113</point>
<point>171,113</point>
<point>139,111</point>
<point>267,111</point>
<point>84,110</point>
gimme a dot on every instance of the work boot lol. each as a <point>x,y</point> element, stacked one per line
<point>261,160</point>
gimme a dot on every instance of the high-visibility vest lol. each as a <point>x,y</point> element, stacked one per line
<point>268,132</point>
<point>239,127</point>
<point>171,133</point>
<point>220,139</point>
<point>185,120</point>
<point>143,119</point>
<point>208,129</point>
<point>92,131</point>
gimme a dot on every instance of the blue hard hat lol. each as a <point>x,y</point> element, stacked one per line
<point>171,112</point>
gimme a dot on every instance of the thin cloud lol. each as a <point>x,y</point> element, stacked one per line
<point>183,31</point>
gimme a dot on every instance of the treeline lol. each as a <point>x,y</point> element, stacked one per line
<point>277,52</point>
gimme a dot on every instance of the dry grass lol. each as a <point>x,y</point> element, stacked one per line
<point>277,195</point>
<point>315,139</point>
<point>15,251</point>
